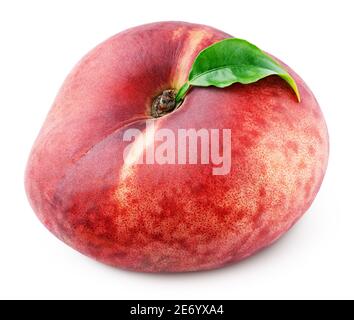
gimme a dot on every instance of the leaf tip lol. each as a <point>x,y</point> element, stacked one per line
<point>296,90</point>
<point>292,83</point>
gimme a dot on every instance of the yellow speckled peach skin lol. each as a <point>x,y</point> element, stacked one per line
<point>172,218</point>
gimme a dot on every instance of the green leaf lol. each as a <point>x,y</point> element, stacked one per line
<point>182,92</point>
<point>230,61</point>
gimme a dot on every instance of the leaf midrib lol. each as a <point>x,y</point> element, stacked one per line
<point>229,66</point>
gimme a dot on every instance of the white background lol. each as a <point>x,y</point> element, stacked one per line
<point>40,41</point>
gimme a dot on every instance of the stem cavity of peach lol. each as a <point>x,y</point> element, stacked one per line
<point>164,103</point>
